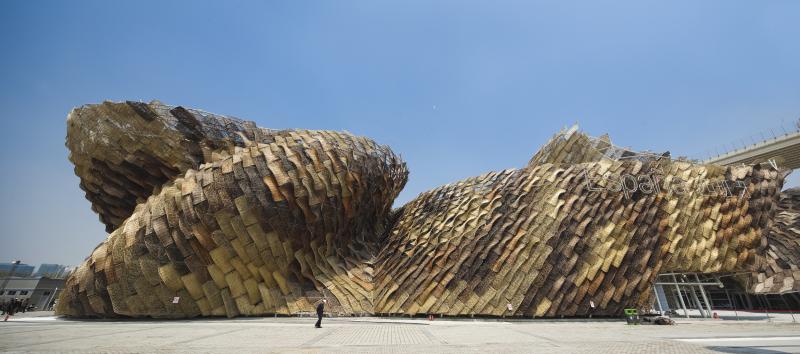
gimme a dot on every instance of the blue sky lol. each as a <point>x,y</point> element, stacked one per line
<point>458,88</point>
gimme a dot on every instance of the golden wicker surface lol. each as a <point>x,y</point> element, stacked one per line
<point>212,216</point>
<point>780,271</point>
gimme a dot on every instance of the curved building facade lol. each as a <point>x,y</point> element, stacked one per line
<point>211,215</point>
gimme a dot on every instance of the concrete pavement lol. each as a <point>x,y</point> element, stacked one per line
<point>45,333</point>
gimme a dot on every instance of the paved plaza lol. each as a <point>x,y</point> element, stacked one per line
<point>44,333</point>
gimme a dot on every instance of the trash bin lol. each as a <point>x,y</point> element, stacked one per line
<point>632,316</point>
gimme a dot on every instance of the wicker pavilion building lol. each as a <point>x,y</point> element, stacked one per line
<point>210,215</point>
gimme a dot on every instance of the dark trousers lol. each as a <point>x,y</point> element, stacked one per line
<point>319,320</point>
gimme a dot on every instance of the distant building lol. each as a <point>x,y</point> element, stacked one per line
<point>20,270</point>
<point>50,270</point>
<point>39,292</point>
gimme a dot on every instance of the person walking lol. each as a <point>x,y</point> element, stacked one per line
<point>320,311</point>
<point>11,308</point>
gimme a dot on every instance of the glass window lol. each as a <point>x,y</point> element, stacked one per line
<point>23,292</point>
<point>12,292</point>
<point>46,293</point>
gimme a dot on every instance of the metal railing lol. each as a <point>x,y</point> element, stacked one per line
<point>753,140</point>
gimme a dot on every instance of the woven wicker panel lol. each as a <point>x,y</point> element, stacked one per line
<point>236,220</point>
<point>780,271</point>
<point>540,239</point>
<point>265,223</point>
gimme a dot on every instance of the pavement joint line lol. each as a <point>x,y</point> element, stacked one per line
<point>90,336</point>
<point>205,337</point>
<point>30,331</point>
<point>432,337</point>
<point>311,342</point>
<point>548,340</point>
<point>734,339</point>
<point>764,346</point>
<point>386,322</point>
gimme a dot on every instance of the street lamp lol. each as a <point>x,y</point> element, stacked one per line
<point>14,265</point>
